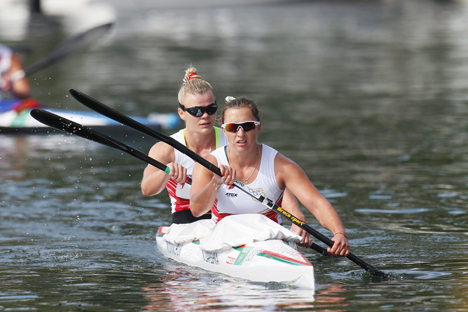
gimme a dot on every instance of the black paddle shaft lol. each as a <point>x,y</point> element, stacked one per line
<point>117,116</point>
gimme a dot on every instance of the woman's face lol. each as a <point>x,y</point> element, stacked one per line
<point>241,139</point>
<point>203,123</point>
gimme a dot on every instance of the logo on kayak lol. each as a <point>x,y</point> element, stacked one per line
<point>211,257</point>
<point>230,195</point>
<point>174,249</point>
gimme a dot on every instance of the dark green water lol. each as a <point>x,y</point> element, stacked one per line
<point>370,98</point>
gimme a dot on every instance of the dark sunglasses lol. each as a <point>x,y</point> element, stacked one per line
<point>198,111</point>
<point>246,126</point>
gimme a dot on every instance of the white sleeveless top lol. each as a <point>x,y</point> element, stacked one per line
<point>235,201</point>
<point>180,197</point>
<point>5,59</point>
<point>5,62</point>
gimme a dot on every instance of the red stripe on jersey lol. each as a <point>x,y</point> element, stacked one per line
<point>271,214</point>
<point>180,203</point>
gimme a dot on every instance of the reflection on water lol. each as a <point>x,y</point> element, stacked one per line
<point>370,98</point>
<point>182,291</point>
<point>184,294</point>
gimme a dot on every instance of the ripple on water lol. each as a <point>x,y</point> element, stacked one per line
<point>447,195</point>
<point>392,211</point>
<point>421,274</point>
<point>380,197</point>
<point>332,194</point>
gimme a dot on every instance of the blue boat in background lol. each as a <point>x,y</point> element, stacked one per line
<point>15,119</point>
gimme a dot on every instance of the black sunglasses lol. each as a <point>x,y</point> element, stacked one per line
<point>198,111</point>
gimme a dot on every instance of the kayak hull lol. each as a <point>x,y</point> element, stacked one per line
<point>266,261</point>
<point>22,123</point>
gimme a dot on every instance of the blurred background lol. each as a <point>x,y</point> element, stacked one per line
<point>369,97</point>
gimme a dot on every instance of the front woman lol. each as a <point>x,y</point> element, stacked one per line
<point>197,108</point>
<point>262,169</point>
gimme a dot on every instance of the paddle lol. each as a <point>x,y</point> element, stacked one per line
<point>61,123</point>
<point>69,46</point>
<point>69,126</point>
<point>113,114</point>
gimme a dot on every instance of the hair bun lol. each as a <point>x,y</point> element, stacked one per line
<point>191,73</point>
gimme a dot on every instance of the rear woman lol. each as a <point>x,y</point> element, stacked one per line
<point>262,169</point>
<point>197,108</point>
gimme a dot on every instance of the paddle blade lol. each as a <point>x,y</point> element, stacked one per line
<point>63,124</point>
<point>71,45</point>
<point>123,119</point>
<point>111,113</point>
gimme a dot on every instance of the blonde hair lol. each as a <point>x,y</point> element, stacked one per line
<point>193,84</point>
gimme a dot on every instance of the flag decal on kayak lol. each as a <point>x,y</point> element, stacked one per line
<point>245,251</point>
<point>278,257</point>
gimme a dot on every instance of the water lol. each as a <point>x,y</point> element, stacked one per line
<point>370,98</point>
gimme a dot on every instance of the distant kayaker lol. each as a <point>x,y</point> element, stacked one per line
<point>197,108</point>
<point>13,81</point>
<point>15,90</point>
<point>262,169</point>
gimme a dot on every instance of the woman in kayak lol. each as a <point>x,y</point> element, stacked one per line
<point>197,108</point>
<point>13,79</point>
<point>15,90</point>
<point>262,169</point>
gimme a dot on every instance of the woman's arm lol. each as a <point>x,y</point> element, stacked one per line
<point>205,185</point>
<point>291,205</point>
<point>290,175</point>
<point>154,180</point>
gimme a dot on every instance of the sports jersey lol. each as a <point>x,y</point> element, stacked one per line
<point>234,201</point>
<point>180,198</point>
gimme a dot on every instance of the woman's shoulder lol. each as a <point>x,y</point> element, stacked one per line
<point>219,151</point>
<point>269,151</point>
<point>179,136</point>
<point>161,148</point>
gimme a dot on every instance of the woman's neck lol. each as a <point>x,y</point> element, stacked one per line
<point>247,158</point>
<point>201,144</point>
<point>246,165</point>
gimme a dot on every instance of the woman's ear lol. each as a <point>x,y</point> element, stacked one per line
<point>181,114</point>
<point>259,128</point>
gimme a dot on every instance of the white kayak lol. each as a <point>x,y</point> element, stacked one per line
<point>248,246</point>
